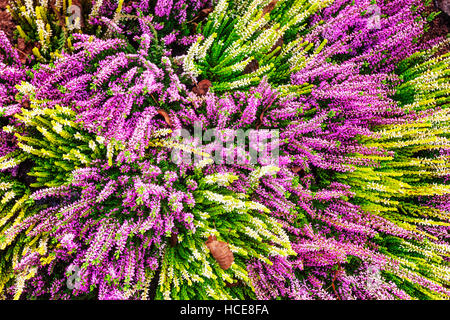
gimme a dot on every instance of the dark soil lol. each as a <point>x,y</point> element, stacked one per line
<point>439,27</point>
<point>8,26</point>
<point>22,172</point>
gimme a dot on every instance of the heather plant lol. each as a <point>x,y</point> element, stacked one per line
<point>12,73</point>
<point>109,83</point>
<point>106,182</point>
<point>352,161</point>
<point>344,192</point>
<point>174,23</point>
<point>412,169</point>
<point>232,47</point>
<point>50,26</point>
<point>376,34</point>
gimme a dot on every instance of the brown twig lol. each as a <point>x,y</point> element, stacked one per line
<point>21,51</point>
<point>234,284</point>
<point>261,117</point>
<point>195,18</point>
<point>203,14</point>
<point>154,99</point>
<point>334,279</point>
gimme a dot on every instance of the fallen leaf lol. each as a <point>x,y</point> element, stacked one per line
<point>202,87</point>
<point>221,252</point>
<point>166,117</point>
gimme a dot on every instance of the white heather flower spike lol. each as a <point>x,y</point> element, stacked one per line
<point>26,88</point>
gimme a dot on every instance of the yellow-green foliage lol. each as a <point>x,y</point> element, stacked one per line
<point>416,168</point>
<point>232,42</point>
<point>14,243</point>
<point>58,141</point>
<point>412,172</point>
<point>188,269</point>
